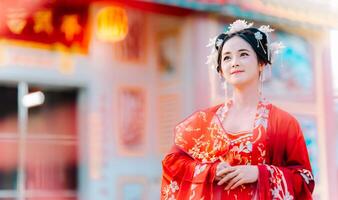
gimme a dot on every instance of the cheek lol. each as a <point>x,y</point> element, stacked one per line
<point>249,60</point>
<point>225,71</point>
<point>226,68</point>
<point>250,64</point>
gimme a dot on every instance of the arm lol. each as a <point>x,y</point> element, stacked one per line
<point>289,176</point>
<point>184,177</point>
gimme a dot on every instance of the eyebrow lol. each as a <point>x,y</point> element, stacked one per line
<point>238,51</point>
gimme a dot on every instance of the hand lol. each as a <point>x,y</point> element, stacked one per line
<point>222,165</point>
<point>238,175</point>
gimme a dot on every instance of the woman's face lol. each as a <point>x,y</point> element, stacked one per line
<point>239,62</point>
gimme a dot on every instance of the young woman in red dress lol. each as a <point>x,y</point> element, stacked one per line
<point>245,148</point>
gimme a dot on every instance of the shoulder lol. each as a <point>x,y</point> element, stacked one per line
<point>282,120</point>
<point>212,108</point>
<point>192,125</point>
<point>199,115</point>
<point>282,116</point>
<point>193,137</point>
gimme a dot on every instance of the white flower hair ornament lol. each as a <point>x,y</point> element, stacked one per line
<point>275,49</point>
<point>238,26</point>
<point>212,57</point>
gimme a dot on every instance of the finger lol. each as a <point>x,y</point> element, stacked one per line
<point>222,166</point>
<point>225,171</point>
<point>229,176</point>
<point>240,182</point>
<point>217,178</point>
<point>233,181</point>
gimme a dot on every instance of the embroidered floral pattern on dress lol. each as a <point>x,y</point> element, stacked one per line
<point>240,153</point>
<point>278,184</point>
<point>203,137</point>
<point>263,115</point>
<point>241,144</point>
<point>262,153</point>
<point>215,142</point>
<point>306,174</point>
<point>184,127</point>
<point>193,193</point>
<point>199,169</point>
<point>205,147</point>
<point>169,191</point>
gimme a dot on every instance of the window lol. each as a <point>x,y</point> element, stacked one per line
<point>38,145</point>
<point>8,141</point>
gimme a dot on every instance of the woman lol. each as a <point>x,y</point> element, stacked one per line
<point>245,148</point>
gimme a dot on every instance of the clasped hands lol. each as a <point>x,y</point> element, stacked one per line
<point>235,176</point>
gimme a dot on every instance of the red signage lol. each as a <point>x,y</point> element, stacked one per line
<point>46,23</point>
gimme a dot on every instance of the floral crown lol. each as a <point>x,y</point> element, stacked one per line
<point>239,25</point>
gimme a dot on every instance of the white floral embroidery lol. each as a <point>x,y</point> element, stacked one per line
<point>262,152</point>
<point>243,147</point>
<point>288,196</point>
<point>278,183</point>
<point>261,121</point>
<point>173,186</point>
<point>193,192</point>
<point>170,190</point>
<point>306,174</point>
<point>199,169</point>
<point>202,115</point>
<point>263,112</point>
<point>172,197</point>
<point>262,118</point>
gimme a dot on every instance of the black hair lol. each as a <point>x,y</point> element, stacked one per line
<point>248,34</point>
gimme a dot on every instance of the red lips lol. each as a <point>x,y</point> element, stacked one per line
<point>236,71</point>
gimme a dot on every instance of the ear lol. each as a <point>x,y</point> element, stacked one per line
<point>220,71</point>
<point>261,67</point>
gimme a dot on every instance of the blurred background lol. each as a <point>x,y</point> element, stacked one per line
<point>90,91</point>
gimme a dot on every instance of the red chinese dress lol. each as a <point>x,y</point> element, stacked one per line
<point>276,145</point>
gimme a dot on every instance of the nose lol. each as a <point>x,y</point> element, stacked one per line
<point>235,62</point>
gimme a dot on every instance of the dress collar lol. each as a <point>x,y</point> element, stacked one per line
<point>261,116</point>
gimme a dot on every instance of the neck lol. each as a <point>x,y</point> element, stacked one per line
<point>247,95</point>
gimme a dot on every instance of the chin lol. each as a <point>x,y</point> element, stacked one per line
<point>238,81</point>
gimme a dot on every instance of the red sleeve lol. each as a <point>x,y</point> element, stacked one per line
<point>184,178</point>
<point>289,176</point>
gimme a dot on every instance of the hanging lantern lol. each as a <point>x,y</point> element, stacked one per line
<point>112,24</point>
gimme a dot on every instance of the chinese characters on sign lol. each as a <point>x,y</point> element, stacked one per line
<point>48,24</point>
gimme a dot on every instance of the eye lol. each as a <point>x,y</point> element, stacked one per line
<point>244,54</point>
<point>226,58</point>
